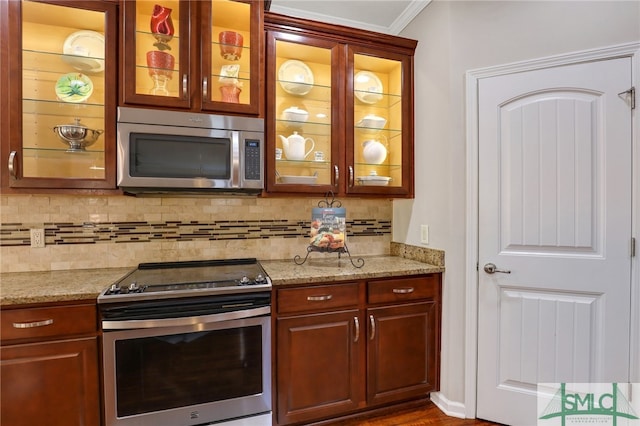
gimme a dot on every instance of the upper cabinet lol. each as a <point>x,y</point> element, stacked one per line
<point>339,110</point>
<point>59,81</point>
<point>196,55</point>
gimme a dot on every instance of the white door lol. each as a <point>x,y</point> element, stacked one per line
<point>554,210</point>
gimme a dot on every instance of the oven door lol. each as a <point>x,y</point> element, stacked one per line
<point>207,371</point>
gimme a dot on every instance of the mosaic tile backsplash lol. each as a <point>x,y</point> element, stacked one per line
<point>119,231</point>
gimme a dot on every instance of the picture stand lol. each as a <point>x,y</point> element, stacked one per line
<point>328,231</point>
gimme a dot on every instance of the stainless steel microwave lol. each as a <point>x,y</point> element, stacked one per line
<point>161,151</point>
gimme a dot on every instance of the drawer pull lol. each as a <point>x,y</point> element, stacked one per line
<point>319,298</point>
<point>357,324</point>
<point>405,290</point>
<point>34,324</point>
<point>372,320</point>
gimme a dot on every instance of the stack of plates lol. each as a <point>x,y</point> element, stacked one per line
<point>373,180</point>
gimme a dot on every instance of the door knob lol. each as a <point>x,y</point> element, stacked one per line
<point>490,268</point>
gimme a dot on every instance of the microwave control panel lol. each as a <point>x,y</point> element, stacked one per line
<point>252,159</point>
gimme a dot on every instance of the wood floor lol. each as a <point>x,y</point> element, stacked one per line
<point>430,415</point>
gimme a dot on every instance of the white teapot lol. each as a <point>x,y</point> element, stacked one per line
<point>374,151</point>
<point>295,146</point>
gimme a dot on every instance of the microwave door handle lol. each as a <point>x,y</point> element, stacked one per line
<point>235,159</point>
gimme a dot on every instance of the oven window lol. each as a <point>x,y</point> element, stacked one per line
<point>164,372</point>
<point>173,156</point>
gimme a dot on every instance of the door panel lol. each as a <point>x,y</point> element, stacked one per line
<point>554,211</point>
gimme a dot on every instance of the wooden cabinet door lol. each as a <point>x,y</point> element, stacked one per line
<point>195,55</point>
<point>61,83</point>
<point>319,371</point>
<point>156,53</point>
<point>379,116</point>
<point>54,383</point>
<point>304,102</point>
<point>402,352</point>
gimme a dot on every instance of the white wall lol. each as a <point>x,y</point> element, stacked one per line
<point>454,37</point>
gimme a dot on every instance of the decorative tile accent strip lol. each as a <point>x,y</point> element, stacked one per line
<point>17,234</point>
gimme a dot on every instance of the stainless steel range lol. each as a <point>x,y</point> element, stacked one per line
<point>188,343</point>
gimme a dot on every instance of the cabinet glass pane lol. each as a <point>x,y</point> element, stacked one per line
<point>377,105</point>
<point>303,114</point>
<point>63,92</point>
<point>230,52</point>
<point>158,48</point>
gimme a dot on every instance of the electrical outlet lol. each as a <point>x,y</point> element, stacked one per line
<point>37,238</point>
<point>424,234</point>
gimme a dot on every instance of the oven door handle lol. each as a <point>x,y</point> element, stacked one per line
<point>182,321</point>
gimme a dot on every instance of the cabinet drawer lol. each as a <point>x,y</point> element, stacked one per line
<point>35,323</point>
<point>403,289</point>
<point>315,298</point>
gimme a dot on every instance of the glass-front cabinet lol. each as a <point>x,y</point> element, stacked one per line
<point>304,101</point>
<point>339,110</point>
<point>59,115</point>
<point>380,135</point>
<point>197,55</point>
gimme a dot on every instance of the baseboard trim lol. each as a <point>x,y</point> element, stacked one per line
<point>450,408</point>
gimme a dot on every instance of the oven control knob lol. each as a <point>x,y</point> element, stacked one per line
<point>133,287</point>
<point>245,280</point>
<point>260,279</point>
<point>114,289</point>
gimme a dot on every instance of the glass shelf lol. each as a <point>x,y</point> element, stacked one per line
<point>317,93</point>
<point>305,163</point>
<point>59,153</point>
<point>35,61</point>
<point>62,109</point>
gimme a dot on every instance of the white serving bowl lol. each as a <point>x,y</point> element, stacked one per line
<point>295,114</point>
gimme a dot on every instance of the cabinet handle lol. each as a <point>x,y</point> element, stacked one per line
<point>405,290</point>
<point>357,324</point>
<point>350,176</point>
<point>184,86</point>
<point>319,298</point>
<point>336,174</point>
<point>12,160</point>
<point>372,321</point>
<point>34,324</point>
<point>205,88</point>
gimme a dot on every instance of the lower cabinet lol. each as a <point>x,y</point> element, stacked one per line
<point>49,366</point>
<point>349,347</point>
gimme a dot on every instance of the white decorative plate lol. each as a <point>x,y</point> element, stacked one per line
<point>295,77</point>
<point>74,87</point>
<point>367,87</point>
<point>84,50</point>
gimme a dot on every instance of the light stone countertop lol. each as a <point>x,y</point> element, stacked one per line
<point>330,269</point>
<point>20,288</point>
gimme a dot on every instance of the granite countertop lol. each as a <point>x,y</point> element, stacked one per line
<point>21,288</point>
<point>329,269</point>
